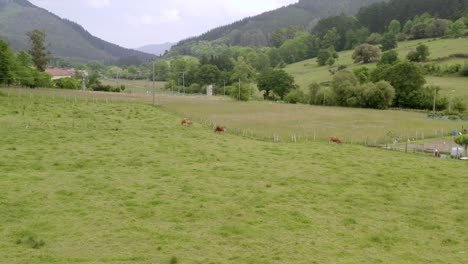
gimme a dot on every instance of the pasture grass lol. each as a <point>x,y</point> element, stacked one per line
<point>353,125</point>
<point>307,72</point>
<point>122,182</point>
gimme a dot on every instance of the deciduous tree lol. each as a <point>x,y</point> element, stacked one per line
<point>39,53</point>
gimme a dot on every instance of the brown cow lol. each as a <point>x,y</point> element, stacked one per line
<point>186,122</point>
<point>220,129</point>
<point>335,139</point>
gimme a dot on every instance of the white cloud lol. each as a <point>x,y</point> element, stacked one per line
<point>98,3</point>
<point>169,15</point>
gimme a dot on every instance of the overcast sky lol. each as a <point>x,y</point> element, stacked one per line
<point>135,23</point>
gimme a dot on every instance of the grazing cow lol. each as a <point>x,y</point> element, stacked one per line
<point>220,129</point>
<point>186,122</point>
<point>335,139</point>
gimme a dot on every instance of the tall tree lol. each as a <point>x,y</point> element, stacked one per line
<point>39,53</point>
<point>6,63</point>
<point>277,81</point>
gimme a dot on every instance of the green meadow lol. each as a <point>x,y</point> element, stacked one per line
<point>307,72</point>
<point>115,181</point>
<point>353,125</point>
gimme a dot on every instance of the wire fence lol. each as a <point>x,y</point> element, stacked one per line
<point>440,141</point>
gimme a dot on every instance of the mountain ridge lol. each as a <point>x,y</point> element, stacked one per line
<point>66,38</point>
<point>255,30</point>
<point>156,49</point>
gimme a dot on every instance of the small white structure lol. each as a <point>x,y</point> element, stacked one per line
<point>457,152</point>
<point>209,90</point>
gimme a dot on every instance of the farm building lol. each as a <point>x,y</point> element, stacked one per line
<point>60,73</point>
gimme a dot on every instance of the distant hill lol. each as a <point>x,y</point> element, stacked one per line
<point>156,49</point>
<point>255,31</point>
<point>66,39</point>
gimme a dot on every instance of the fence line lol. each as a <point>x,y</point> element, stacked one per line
<point>420,143</point>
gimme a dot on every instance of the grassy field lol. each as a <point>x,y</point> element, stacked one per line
<point>351,124</point>
<point>307,72</point>
<point>263,120</point>
<point>448,84</point>
<point>123,182</point>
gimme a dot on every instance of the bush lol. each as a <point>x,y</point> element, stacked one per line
<point>243,95</point>
<point>68,83</point>
<point>379,95</point>
<point>362,74</point>
<point>420,55</point>
<point>366,53</point>
<point>458,105</point>
<point>195,88</point>
<point>389,57</point>
<point>295,96</point>
<point>464,71</point>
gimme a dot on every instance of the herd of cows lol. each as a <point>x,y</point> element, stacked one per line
<point>221,129</point>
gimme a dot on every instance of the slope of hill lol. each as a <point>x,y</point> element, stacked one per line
<point>156,49</point>
<point>307,72</point>
<point>254,31</point>
<point>66,39</point>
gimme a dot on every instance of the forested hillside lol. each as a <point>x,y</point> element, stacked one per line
<point>67,39</point>
<point>377,16</point>
<point>256,31</point>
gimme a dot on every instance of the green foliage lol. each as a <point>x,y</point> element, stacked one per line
<point>405,77</point>
<point>464,71</point>
<point>241,93</point>
<point>331,39</point>
<point>458,106</point>
<point>208,74</point>
<point>42,79</point>
<point>420,55</point>
<point>356,37</point>
<point>68,83</point>
<point>326,57</point>
<point>379,15</point>
<point>6,63</point>
<point>394,27</point>
<point>275,80</point>
<point>312,95</point>
<point>462,141</point>
<point>344,86</point>
<point>38,51</point>
<point>362,74</point>
<point>437,28</point>
<point>389,57</point>
<point>389,41</point>
<point>423,98</point>
<point>456,29</point>
<point>374,39</point>
<point>379,95</point>
<point>366,53</point>
<point>295,96</point>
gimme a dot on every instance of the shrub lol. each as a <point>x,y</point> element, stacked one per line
<point>420,55</point>
<point>362,74</point>
<point>327,57</point>
<point>389,57</point>
<point>242,94</point>
<point>366,53</point>
<point>295,96</point>
<point>68,83</point>
<point>379,95</point>
<point>464,71</point>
